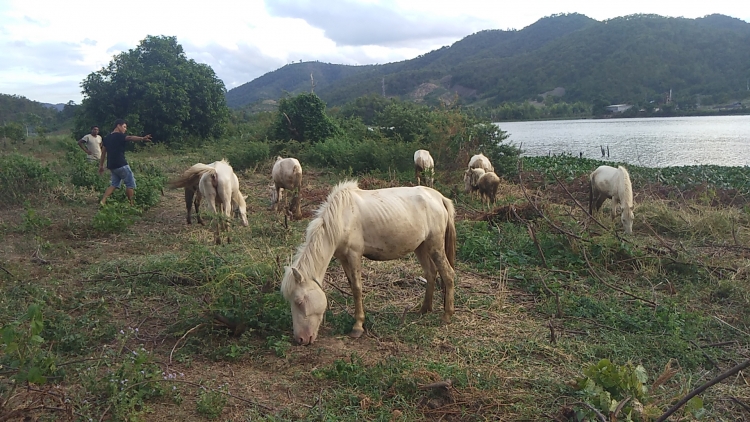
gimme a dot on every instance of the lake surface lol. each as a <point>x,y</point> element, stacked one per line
<point>649,142</point>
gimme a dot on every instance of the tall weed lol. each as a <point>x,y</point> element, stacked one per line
<point>24,178</point>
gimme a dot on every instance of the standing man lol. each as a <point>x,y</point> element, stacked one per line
<point>91,144</point>
<point>113,150</point>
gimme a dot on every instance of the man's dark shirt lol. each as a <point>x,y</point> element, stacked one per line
<point>115,143</point>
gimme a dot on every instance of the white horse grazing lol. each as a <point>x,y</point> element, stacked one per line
<point>381,225</point>
<point>189,180</point>
<point>487,186</point>
<point>423,163</point>
<point>613,183</point>
<point>471,177</point>
<point>221,188</point>
<point>286,174</point>
<point>482,162</point>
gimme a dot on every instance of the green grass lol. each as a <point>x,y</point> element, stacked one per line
<point>155,299</point>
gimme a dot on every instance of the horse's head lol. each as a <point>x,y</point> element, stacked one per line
<point>241,208</point>
<point>309,303</point>
<point>627,219</point>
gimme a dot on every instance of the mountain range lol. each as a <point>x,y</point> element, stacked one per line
<point>631,59</point>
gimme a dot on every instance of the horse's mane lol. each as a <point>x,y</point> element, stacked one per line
<point>626,196</point>
<point>323,230</point>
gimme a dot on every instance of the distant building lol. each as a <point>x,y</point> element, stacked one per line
<point>618,108</point>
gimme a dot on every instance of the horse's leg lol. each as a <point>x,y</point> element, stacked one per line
<point>430,273</point>
<point>197,203</point>
<point>352,264</point>
<point>447,274</point>
<point>189,193</point>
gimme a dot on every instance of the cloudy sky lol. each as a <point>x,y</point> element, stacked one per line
<point>48,47</point>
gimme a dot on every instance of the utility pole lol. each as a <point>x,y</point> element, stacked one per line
<point>312,84</point>
<point>382,82</point>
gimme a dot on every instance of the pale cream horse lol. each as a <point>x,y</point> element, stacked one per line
<point>221,188</point>
<point>423,163</point>
<point>471,177</point>
<point>381,225</point>
<point>478,161</point>
<point>286,174</point>
<point>613,183</point>
<point>487,186</point>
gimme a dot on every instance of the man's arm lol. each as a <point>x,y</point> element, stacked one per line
<point>138,138</point>
<point>103,159</point>
<point>81,143</point>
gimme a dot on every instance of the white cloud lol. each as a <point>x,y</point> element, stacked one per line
<point>48,47</point>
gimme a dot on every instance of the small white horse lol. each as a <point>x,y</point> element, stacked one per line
<point>612,183</point>
<point>286,174</point>
<point>221,188</point>
<point>487,186</point>
<point>423,163</point>
<point>381,225</point>
<point>471,177</point>
<point>482,162</point>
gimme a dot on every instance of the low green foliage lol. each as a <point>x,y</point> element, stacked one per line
<point>114,217</point>
<point>210,402</point>
<point>24,351</point>
<point>24,178</point>
<point>33,222</point>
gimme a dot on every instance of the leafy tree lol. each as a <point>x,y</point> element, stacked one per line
<point>303,118</point>
<point>14,131</point>
<point>405,121</point>
<point>158,90</point>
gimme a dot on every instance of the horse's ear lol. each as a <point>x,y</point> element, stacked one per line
<point>297,275</point>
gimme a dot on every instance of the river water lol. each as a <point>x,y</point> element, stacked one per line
<point>649,142</point>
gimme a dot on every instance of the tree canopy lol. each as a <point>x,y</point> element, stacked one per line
<point>303,118</point>
<point>158,90</point>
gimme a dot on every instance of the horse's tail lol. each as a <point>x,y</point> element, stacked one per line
<point>450,233</point>
<point>191,176</point>
<point>297,176</point>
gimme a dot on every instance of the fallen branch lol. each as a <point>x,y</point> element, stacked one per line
<point>736,400</point>
<point>7,272</point>
<point>183,338</point>
<point>728,373</point>
<point>599,414</point>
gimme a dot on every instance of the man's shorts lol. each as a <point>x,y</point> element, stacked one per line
<point>122,174</point>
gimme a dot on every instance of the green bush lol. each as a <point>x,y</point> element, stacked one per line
<point>114,217</point>
<point>24,178</point>
<point>361,156</point>
<point>244,155</point>
<point>84,173</point>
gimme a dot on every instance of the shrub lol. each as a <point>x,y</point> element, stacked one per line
<point>361,156</point>
<point>23,178</point>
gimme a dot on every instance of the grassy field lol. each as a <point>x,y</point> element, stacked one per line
<point>118,315</point>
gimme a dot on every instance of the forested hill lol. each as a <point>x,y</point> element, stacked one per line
<point>628,59</point>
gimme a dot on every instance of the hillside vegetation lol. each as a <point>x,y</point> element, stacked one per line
<point>633,59</point>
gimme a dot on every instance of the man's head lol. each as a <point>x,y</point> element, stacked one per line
<point>120,126</point>
<point>94,130</point>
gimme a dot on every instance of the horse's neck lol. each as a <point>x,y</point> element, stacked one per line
<point>624,189</point>
<point>316,254</point>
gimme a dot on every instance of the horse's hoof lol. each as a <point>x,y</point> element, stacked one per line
<point>425,309</point>
<point>356,333</point>
<point>445,320</point>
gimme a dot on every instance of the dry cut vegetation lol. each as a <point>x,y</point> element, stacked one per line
<point>120,314</point>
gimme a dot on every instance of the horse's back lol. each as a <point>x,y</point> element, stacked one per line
<point>481,161</point>
<point>401,217</point>
<point>285,170</point>
<point>423,159</point>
